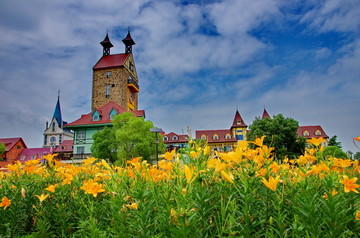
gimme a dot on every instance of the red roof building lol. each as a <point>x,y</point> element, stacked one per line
<point>33,153</point>
<point>65,150</point>
<point>311,132</point>
<point>175,141</point>
<point>87,125</point>
<point>224,140</point>
<point>13,148</point>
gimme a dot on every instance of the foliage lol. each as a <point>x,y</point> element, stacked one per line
<point>133,137</point>
<point>104,146</point>
<point>335,151</point>
<point>2,149</point>
<point>243,193</point>
<point>357,156</point>
<point>333,142</point>
<point>281,133</point>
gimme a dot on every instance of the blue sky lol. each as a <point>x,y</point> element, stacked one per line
<point>197,61</point>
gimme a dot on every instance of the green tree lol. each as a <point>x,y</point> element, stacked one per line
<point>134,138</point>
<point>333,142</point>
<point>334,151</point>
<point>129,137</point>
<point>2,149</point>
<point>281,133</point>
<point>104,146</point>
<point>357,156</point>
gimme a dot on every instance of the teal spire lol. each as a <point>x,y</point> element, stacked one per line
<point>57,112</point>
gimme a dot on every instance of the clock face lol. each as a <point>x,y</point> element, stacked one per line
<point>52,139</point>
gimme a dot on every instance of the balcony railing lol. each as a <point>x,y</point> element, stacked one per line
<point>132,83</point>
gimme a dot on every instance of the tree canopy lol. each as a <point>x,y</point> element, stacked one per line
<point>2,149</point>
<point>129,137</point>
<point>333,142</point>
<point>281,133</point>
<point>335,151</point>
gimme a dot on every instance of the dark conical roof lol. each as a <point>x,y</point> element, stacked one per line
<point>265,114</point>
<point>106,42</point>
<point>128,40</point>
<point>57,113</point>
<point>238,121</point>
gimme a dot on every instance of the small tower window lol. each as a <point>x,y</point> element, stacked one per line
<point>53,126</point>
<point>131,66</point>
<point>108,74</point>
<point>107,90</point>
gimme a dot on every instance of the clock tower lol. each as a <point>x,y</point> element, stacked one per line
<point>55,133</point>
<point>115,78</point>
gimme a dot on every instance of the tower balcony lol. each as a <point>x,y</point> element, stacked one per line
<point>132,84</point>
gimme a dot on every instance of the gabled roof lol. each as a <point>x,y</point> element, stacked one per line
<point>210,134</point>
<point>10,142</point>
<point>265,114</point>
<point>311,130</point>
<point>104,112</point>
<point>111,61</point>
<point>237,119</point>
<point>33,153</point>
<point>181,138</point>
<point>65,146</point>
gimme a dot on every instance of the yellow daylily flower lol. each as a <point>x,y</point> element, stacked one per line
<point>189,174</point>
<point>316,141</point>
<point>357,138</point>
<point>133,206</point>
<point>259,141</point>
<point>92,187</point>
<point>271,183</point>
<point>357,215</point>
<point>51,188</point>
<point>42,197</point>
<point>226,177</point>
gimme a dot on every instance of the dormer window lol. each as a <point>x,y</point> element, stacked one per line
<point>96,116</point>
<point>215,137</point>
<point>227,136</point>
<point>175,138</point>
<point>238,122</point>
<point>108,74</point>
<point>203,137</point>
<point>317,133</point>
<point>112,113</point>
<point>166,138</point>
<point>306,133</point>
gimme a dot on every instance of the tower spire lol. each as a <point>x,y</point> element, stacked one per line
<point>57,112</point>
<point>106,45</point>
<point>129,42</point>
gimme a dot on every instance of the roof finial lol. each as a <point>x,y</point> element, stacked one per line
<point>59,94</point>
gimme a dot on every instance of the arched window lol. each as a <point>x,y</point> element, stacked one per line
<point>215,137</point>
<point>175,138</point>
<point>203,137</point>
<point>166,138</point>
<point>306,133</point>
<point>227,136</point>
<point>318,133</point>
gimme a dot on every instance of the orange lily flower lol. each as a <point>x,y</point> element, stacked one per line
<point>350,184</point>
<point>5,202</point>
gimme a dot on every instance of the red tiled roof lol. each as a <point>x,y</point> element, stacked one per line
<point>181,138</point>
<point>104,113</point>
<point>110,61</point>
<point>33,153</point>
<point>65,146</point>
<point>237,119</point>
<point>10,142</point>
<point>311,130</point>
<point>210,133</point>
